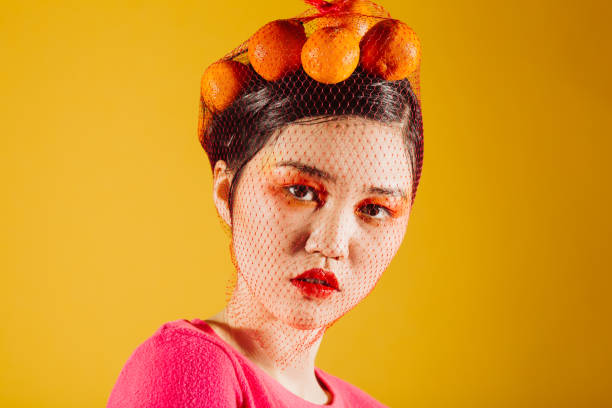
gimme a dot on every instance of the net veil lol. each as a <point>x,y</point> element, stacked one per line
<point>313,129</point>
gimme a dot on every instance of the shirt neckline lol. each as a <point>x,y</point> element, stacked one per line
<point>203,325</point>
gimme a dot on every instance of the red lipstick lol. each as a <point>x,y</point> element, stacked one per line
<point>316,282</point>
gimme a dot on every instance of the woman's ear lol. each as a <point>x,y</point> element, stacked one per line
<point>222,179</point>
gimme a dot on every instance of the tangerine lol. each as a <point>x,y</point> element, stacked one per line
<point>331,54</point>
<point>391,50</point>
<point>274,50</point>
<point>222,82</point>
<point>362,15</point>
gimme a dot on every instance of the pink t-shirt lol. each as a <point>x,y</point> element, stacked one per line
<point>186,364</point>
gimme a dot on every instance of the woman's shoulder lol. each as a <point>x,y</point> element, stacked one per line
<point>193,332</point>
<point>352,396</point>
<point>181,363</point>
<point>187,343</point>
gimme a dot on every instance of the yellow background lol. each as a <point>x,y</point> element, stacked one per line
<point>499,296</point>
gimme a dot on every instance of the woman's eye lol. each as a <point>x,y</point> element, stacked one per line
<point>302,192</point>
<point>375,211</point>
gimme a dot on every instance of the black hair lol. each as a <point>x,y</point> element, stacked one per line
<point>240,131</point>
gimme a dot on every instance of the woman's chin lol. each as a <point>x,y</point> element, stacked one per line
<point>308,318</point>
<point>304,323</point>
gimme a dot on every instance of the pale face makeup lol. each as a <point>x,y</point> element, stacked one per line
<point>332,195</point>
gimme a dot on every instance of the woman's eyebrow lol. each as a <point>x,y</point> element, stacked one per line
<point>396,192</point>
<point>313,171</point>
<point>322,174</point>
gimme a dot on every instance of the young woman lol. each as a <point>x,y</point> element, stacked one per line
<point>315,182</point>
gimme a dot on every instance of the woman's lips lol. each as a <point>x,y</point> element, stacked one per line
<point>316,282</point>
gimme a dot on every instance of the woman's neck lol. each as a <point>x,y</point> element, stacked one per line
<point>287,354</point>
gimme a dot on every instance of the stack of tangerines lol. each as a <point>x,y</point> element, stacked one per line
<point>383,46</point>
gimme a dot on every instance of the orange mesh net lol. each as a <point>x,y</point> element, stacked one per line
<point>314,133</point>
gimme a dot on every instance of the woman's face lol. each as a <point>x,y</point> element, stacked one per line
<point>333,195</point>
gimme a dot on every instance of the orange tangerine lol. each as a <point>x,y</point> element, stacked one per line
<point>390,50</point>
<point>222,82</point>
<point>274,50</point>
<point>362,15</point>
<point>331,54</point>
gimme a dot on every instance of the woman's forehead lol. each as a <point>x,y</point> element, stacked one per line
<point>347,148</point>
<point>354,139</point>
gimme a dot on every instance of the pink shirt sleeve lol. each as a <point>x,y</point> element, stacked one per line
<point>171,369</point>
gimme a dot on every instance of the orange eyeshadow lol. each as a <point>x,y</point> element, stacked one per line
<point>397,206</point>
<point>285,177</point>
<point>281,178</point>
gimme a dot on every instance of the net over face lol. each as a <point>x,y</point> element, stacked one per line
<point>333,196</point>
<point>313,130</point>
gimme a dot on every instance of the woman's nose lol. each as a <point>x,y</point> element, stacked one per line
<point>331,232</point>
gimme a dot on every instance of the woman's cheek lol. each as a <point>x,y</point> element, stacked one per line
<point>390,243</point>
